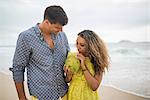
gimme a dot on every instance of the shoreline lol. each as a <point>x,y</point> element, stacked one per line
<point>130,92</point>
<point>106,92</point>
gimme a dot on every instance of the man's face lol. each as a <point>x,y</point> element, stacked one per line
<point>54,28</point>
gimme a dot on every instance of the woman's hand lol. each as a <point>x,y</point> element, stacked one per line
<point>69,73</point>
<point>82,59</point>
<point>68,70</point>
<point>80,56</point>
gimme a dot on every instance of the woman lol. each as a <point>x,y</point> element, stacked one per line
<point>84,69</point>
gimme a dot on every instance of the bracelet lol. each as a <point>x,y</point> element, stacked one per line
<point>84,69</point>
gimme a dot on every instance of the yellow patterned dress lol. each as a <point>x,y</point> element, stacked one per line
<point>78,87</point>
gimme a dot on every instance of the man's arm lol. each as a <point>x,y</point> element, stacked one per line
<point>20,91</point>
<point>20,61</point>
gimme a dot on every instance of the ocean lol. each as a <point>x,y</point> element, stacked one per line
<point>129,66</point>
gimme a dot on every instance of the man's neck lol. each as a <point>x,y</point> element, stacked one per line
<point>43,30</point>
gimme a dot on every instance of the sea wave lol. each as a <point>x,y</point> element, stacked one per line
<point>131,52</point>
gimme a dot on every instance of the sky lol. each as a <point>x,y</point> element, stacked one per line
<point>112,20</point>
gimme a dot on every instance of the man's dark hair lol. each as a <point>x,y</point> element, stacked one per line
<point>56,14</point>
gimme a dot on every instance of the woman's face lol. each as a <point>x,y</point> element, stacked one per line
<point>81,45</point>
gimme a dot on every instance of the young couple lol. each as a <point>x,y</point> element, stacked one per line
<point>44,51</point>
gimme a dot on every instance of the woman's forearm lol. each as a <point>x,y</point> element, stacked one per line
<point>91,80</point>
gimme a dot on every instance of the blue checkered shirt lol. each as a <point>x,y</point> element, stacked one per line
<point>45,75</point>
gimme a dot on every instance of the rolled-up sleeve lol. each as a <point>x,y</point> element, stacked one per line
<point>21,58</point>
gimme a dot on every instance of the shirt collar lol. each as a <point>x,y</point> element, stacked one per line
<point>39,32</point>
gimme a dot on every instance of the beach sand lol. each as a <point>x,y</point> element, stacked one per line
<point>8,92</point>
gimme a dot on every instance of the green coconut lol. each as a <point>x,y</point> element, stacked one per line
<point>72,62</point>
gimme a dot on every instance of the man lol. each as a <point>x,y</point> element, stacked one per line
<point>42,50</point>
